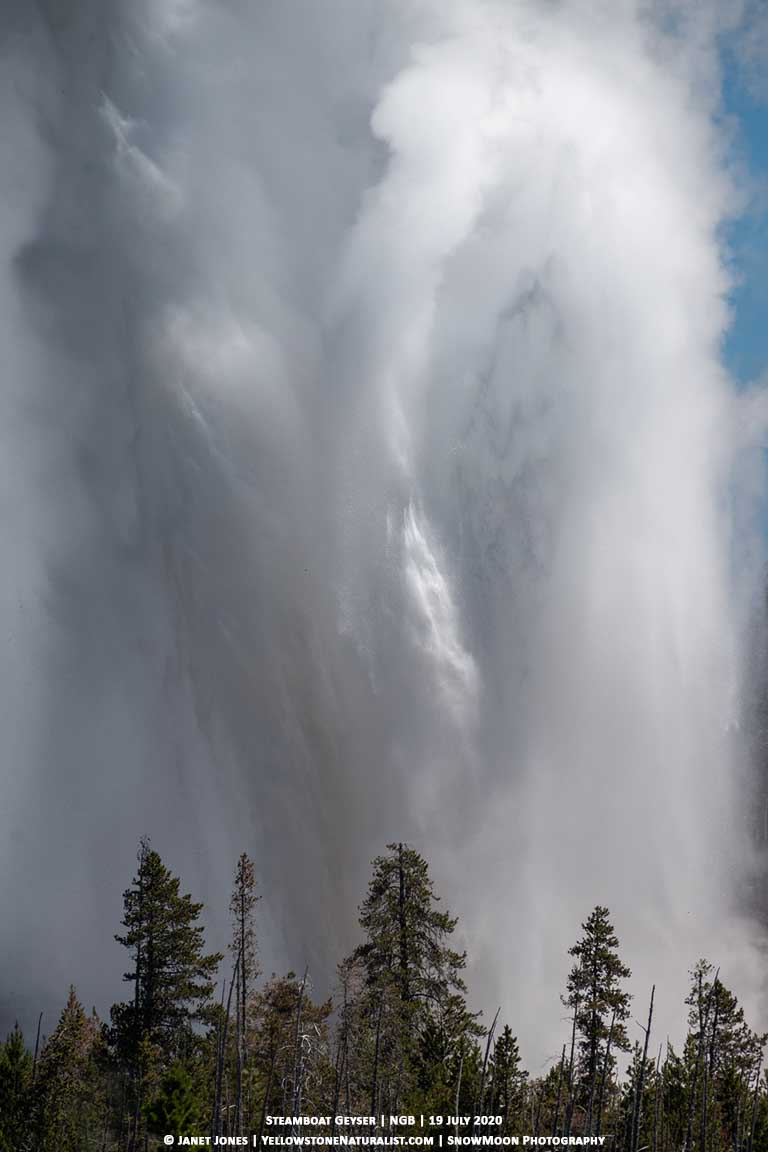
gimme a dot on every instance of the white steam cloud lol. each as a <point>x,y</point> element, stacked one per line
<point>368,472</point>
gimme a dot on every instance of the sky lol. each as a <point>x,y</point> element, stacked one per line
<point>382,458</point>
<point>746,349</point>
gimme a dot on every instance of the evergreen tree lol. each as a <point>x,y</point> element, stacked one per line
<point>172,977</point>
<point>636,1101</point>
<point>243,947</point>
<point>595,995</point>
<point>69,1099</point>
<point>406,935</point>
<point>175,1107</point>
<point>722,1055</point>
<point>405,1040</point>
<point>508,1079</point>
<point>172,981</point>
<point>15,1086</point>
<point>411,1011</point>
<point>674,1085</point>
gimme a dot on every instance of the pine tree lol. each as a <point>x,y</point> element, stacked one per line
<point>406,935</point>
<point>508,1079</point>
<point>68,1093</point>
<point>172,980</point>
<point>171,975</point>
<point>175,1107</point>
<point>721,1057</point>
<point>595,994</point>
<point>15,1086</point>
<point>411,1011</point>
<point>243,947</point>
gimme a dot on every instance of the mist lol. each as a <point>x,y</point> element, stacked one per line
<point>370,471</point>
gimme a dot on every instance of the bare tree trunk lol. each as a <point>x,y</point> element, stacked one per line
<point>709,1069</point>
<point>493,1088</point>
<point>338,1074</point>
<point>478,1108</point>
<point>221,1057</point>
<point>37,1047</point>
<point>638,1109</point>
<point>219,1025</point>
<point>569,1110</point>
<point>375,1077</point>
<point>238,1061</point>
<point>556,1120</point>
<point>267,1091</point>
<point>298,1051</point>
<point>703,1020</point>
<point>604,1077</point>
<point>657,1092</point>
<point>737,1121</point>
<point>345,1041</point>
<point>227,1111</point>
<point>753,1119</point>
<point>458,1094</point>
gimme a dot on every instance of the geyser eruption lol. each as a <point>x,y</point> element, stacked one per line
<point>367,450</point>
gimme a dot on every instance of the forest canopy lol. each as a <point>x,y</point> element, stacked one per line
<point>203,1043</point>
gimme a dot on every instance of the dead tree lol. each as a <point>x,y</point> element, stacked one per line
<point>637,1112</point>
<point>556,1119</point>
<point>298,1049</point>
<point>657,1093</point>
<point>569,1110</point>
<point>478,1107</point>
<point>274,1048</point>
<point>338,1073</point>
<point>604,1076</point>
<point>37,1047</point>
<point>216,1084</point>
<point>222,1054</point>
<point>376,1057</point>
<point>493,1085</point>
<point>458,1094</point>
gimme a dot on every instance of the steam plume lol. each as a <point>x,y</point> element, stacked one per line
<point>365,466</point>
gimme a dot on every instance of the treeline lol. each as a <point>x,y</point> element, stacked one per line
<point>185,1055</point>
